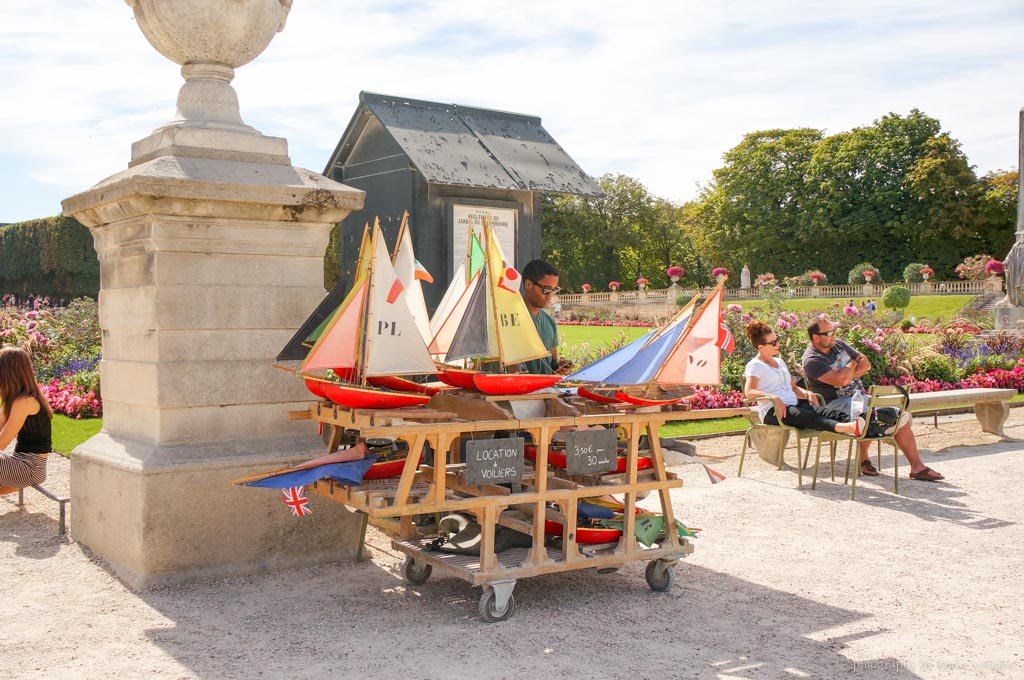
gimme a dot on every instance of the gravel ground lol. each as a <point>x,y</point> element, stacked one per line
<point>784,583</point>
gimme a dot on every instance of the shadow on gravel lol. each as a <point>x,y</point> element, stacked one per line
<point>348,619</point>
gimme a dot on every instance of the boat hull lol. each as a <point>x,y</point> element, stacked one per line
<point>512,383</point>
<point>393,382</point>
<point>352,396</point>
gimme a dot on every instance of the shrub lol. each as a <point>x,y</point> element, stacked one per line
<point>994,267</point>
<point>973,268</point>
<point>896,297</point>
<point>856,275</point>
<point>936,367</point>
<point>912,272</point>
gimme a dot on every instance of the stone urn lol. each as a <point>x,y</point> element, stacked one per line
<point>675,281</point>
<point>209,40</point>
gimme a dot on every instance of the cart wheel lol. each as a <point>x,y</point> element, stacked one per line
<point>659,582</point>
<point>489,611</point>
<point>415,574</point>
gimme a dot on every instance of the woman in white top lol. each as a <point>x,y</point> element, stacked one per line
<point>766,375</point>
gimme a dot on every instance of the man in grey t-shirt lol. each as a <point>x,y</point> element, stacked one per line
<point>833,369</point>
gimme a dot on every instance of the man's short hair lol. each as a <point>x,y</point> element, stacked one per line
<point>538,269</point>
<point>812,329</point>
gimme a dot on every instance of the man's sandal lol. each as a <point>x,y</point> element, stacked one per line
<point>927,475</point>
<point>867,469</point>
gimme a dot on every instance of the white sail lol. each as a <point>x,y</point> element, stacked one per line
<point>393,342</point>
<point>405,268</point>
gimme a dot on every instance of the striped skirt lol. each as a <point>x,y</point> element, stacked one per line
<point>22,469</point>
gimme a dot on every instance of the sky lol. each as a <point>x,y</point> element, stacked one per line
<point>655,90</point>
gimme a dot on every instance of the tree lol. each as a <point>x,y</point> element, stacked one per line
<point>599,239</point>
<point>997,212</point>
<point>756,208</point>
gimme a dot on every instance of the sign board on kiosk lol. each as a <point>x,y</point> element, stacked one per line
<point>590,451</point>
<point>494,461</point>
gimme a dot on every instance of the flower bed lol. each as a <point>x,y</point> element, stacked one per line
<point>65,347</point>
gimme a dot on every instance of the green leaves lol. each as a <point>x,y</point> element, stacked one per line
<point>49,256</point>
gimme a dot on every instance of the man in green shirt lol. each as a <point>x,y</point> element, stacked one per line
<point>540,283</point>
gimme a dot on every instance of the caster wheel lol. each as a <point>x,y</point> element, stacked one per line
<point>415,574</point>
<point>489,611</point>
<point>659,583</point>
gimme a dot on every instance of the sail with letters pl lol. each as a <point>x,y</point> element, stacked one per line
<point>406,267</point>
<point>517,336</point>
<point>373,332</point>
<point>394,345</point>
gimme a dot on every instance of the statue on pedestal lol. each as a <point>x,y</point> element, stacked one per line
<point>1010,311</point>
<point>745,277</point>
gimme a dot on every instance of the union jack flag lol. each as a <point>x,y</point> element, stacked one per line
<point>295,499</point>
<point>725,339</point>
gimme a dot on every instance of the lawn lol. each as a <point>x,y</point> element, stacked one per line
<point>934,308</point>
<point>69,433</point>
<point>596,335</point>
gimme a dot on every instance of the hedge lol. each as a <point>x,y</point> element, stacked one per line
<point>49,256</point>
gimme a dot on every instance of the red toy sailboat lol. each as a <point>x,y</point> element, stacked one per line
<point>487,321</point>
<point>373,336</point>
<point>685,351</point>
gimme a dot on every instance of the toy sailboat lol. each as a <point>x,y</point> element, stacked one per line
<point>685,351</point>
<point>488,321</point>
<point>373,336</point>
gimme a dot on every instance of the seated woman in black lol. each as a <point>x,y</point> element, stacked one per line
<point>766,375</point>
<point>24,415</point>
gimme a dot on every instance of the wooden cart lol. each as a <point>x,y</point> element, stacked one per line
<point>440,486</point>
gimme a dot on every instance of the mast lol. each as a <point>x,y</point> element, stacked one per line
<point>364,344</point>
<point>490,290</point>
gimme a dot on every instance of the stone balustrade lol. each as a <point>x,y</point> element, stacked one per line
<point>668,295</point>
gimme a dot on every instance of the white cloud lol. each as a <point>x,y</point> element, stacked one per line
<point>655,90</point>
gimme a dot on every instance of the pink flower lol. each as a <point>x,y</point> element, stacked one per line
<point>675,271</point>
<point>586,287</point>
<point>719,271</point>
<point>736,309</point>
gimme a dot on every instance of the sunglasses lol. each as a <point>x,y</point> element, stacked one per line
<point>773,343</point>
<point>546,290</point>
<point>827,333</point>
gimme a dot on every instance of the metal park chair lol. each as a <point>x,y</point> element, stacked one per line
<point>880,396</point>
<point>781,432</point>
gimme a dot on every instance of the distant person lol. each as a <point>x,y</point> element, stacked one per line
<point>540,283</point>
<point>557,308</point>
<point>24,416</point>
<point>872,307</point>
<point>833,369</point>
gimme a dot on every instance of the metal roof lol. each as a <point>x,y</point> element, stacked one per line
<point>454,144</point>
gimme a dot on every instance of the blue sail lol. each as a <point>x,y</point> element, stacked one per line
<point>648,361</point>
<point>641,357</point>
<point>599,371</point>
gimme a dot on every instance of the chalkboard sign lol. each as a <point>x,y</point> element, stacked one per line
<point>494,461</point>
<point>590,451</point>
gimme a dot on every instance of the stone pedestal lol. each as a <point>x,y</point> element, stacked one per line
<point>208,264</point>
<point>1010,318</point>
<point>867,290</point>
